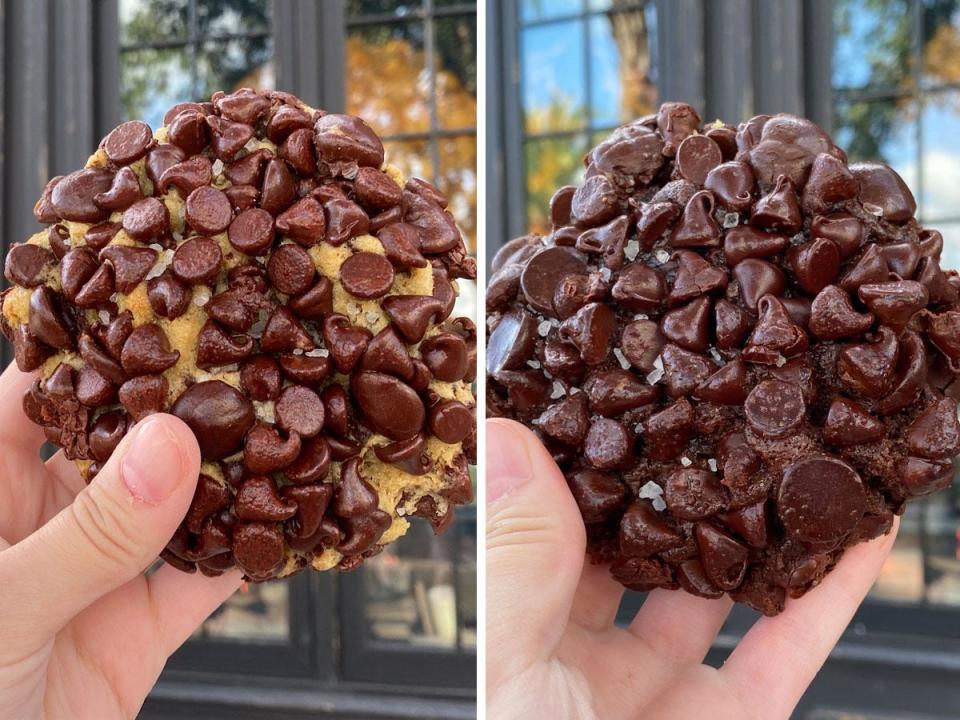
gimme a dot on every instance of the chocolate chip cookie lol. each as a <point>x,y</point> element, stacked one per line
<point>255,268</point>
<point>740,348</point>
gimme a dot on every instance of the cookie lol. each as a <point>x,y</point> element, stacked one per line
<point>255,268</point>
<point>740,348</point>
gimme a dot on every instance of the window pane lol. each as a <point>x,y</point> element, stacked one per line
<point>456,44</point>
<point>411,156</point>
<point>458,180</point>
<point>951,244</point>
<point>901,578</point>
<point>872,44</point>
<point>542,9</point>
<point>389,58</point>
<point>256,611</point>
<point>238,17</point>
<point>550,164</point>
<point>377,7</point>
<point>941,37</point>
<point>151,81</point>
<point>467,575</point>
<point>409,593</point>
<point>552,85</point>
<point>145,21</point>
<point>883,130</point>
<point>231,64</point>
<point>943,547</point>
<point>941,157</point>
<point>622,83</point>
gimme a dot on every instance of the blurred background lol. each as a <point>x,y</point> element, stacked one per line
<point>884,77</point>
<point>396,638</point>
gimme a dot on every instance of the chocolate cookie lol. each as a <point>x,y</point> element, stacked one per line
<point>740,348</point>
<point>255,268</point>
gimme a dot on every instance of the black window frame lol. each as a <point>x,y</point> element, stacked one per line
<point>782,63</point>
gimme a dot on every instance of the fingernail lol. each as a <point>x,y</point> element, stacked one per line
<point>508,463</point>
<point>152,467</point>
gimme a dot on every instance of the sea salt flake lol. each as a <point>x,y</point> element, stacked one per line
<point>873,209</point>
<point>659,505</point>
<point>621,358</point>
<point>256,330</point>
<point>558,390</point>
<point>712,464</point>
<point>731,220</point>
<point>641,316</point>
<point>265,411</point>
<point>217,167</point>
<point>781,361</point>
<point>653,492</point>
<point>535,364</point>
<point>606,273</point>
<point>372,317</point>
<point>798,239</point>
<point>574,390</point>
<point>662,255</point>
<point>317,352</point>
<point>543,329</point>
<point>631,250</point>
<point>104,316</point>
<point>715,354</point>
<point>685,461</point>
<point>656,375</point>
<point>298,351</point>
<point>201,296</point>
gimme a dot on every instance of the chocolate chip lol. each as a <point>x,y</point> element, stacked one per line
<point>744,242</point>
<point>598,495</point>
<point>727,386</point>
<point>297,150</point>
<point>347,138</point>
<point>230,309</point>
<point>265,450</point>
<point>450,421</point>
<point>285,120</point>
<point>731,184</point>
<point>591,330</point>
<point>27,264</point>
<point>345,220</point>
<point>935,433</point>
<point>316,303</point>
<point>386,353</point>
<point>160,158</point>
<point>693,494</point>
<point>511,342</point>
<point>245,106</point>
<point>775,335</point>
<point>345,342</point>
<point>130,264</point>
<point>758,278</point>
<point>697,155</point>
<point>850,424</point>
<point>144,395</point>
<point>128,142</point>
<point>367,275</point>
<point>868,368</point>
<point>639,288</point>
<point>197,260</point>
<point>106,434</point>
<point>260,378</point>
<point>401,245</point>
<point>391,407</point>
<point>147,351</point>
<point>883,189</point>
<point>259,499</point>
<point>411,314</point>
<point>697,227</point>
<point>778,210</point>
<point>46,320</point>
<point>188,131</point>
<point>895,302</point>
<point>278,191</point>
<point>300,410</point>
<point>43,209</point>
<point>567,420</point>
<point>227,137</point>
<point>676,121</point>
<point>72,196</point>
<point>93,389</point>
<point>608,445</point>
<point>187,176</point>
<point>689,326</point>
<point>446,356</point>
<point>28,351</point>
<point>724,560</point>
<point>218,414</point>
<point>303,222</point>
<point>641,343</point>
<point>258,548</point>
<point>251,231</point>
<point>820,500</point>
<point>312,464</point>
<point>99,236</point>
<point>815,264</point>
<point>774,407</point>
<point>216,347</point>
<point>94,356</point>
<point>208,211</point>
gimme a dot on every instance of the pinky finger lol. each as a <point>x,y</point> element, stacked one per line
<point>802,636</point>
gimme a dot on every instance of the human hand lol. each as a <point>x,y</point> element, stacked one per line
<point>553,650</point>
<point>84,633</point>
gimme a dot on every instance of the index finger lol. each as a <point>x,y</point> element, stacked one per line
<point>802,636</point>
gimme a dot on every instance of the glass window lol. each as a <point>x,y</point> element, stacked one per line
<point>422,57</point>
<point>894,70</point>
<point>586,66</point>
<point>179,50</point>
<point>420,592</point>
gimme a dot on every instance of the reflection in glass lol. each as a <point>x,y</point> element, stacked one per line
<point>146,21</point>
<point>235,17</point>
<point>411,156</point>
<point>458,181</point>
<point>951,243</point>
<point>549,165</point>
<point>622,82</point>
<point>552,82</point>
<point>456,47</point>
<point>882,130</point>
<point>378,7</point>
<point>233,64</point>
<point>532,10</point>
<point>391,58</point>
<point>941,48</point>
<point>255,612</point>
<point>872,44</point>
<point>941,157</point>
<point>942,523</point>
<point>151,81</point>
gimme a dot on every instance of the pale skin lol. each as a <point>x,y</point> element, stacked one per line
<point>84,632</point>
<point>553,649</point>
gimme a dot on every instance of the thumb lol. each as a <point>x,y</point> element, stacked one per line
<point>113,530</point>
<point>535,549</point>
